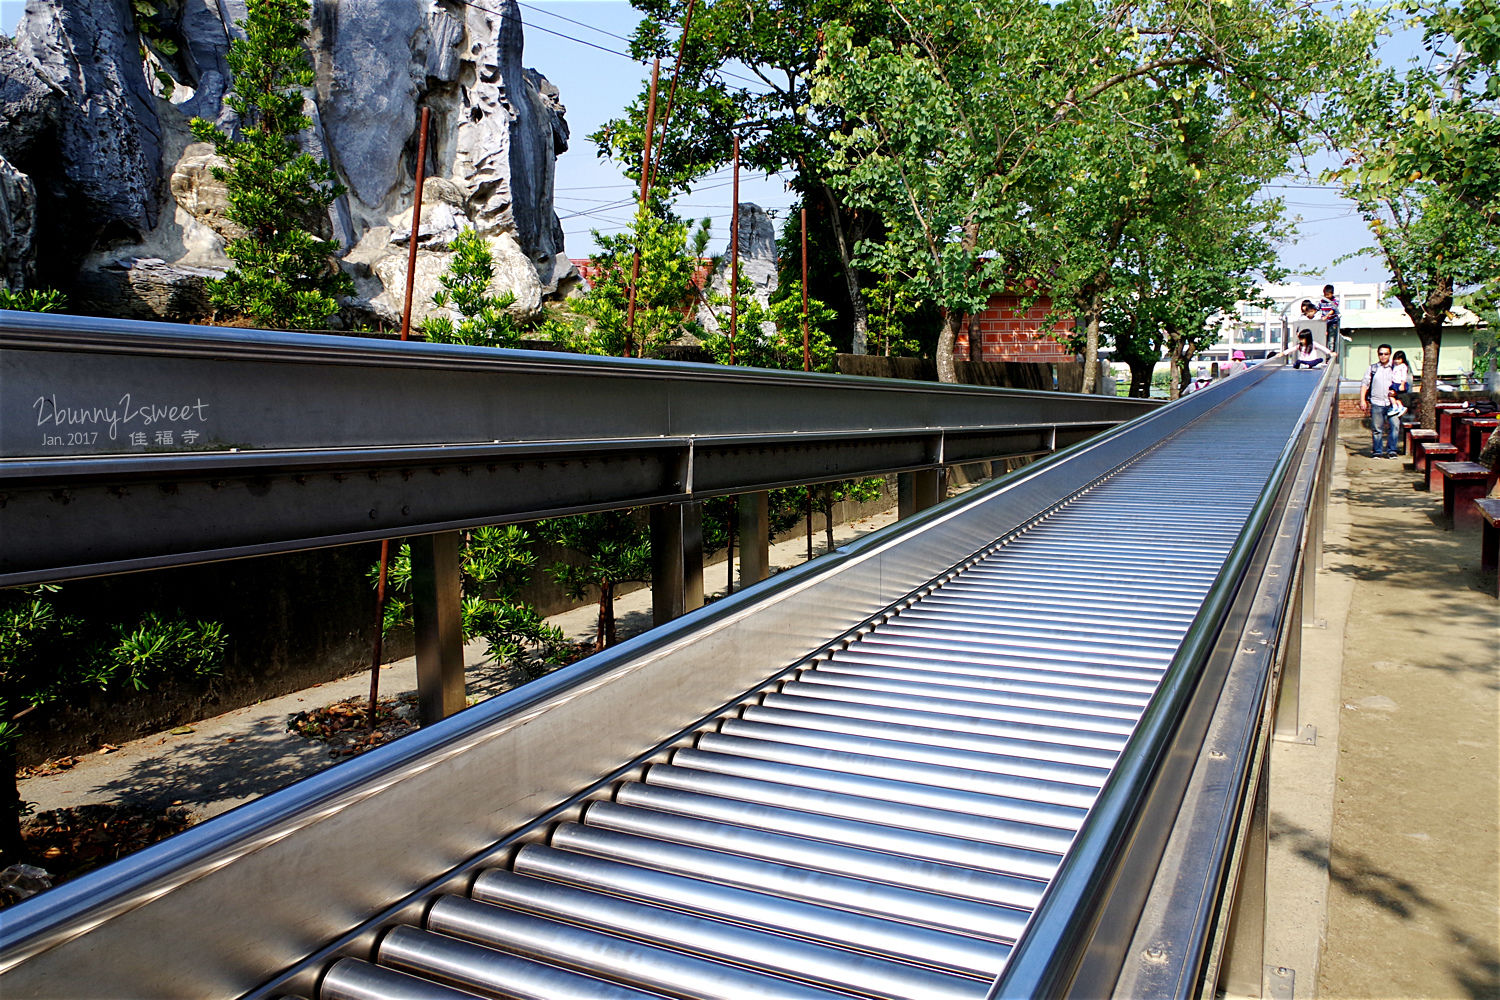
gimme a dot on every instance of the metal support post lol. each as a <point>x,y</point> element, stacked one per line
<point>918,490</point>
<point>755,537</point>
<point>1243,966</point>
<point>1289,695</point>
<point>676,560</point>
<point>437,596</point>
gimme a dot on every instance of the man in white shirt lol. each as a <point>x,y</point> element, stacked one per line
<point>1375,400</point>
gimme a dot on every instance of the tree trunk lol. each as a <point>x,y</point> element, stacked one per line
<point>947,337</point>
<point>1430,333</point>
<point>827,499</point>
<point>861,341</point>
<point>1141,371</point>
<point>1091,345</point>
<point>607,603</point>
<point>12,848</point>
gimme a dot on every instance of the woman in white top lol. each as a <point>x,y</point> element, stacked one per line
<point>1309,354</point>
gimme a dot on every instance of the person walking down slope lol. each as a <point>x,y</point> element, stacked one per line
<point>1375,400</point>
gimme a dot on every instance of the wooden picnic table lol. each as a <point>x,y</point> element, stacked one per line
<point>1489,537</point>
<point>1463,482</point>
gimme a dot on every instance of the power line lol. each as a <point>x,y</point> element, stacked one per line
<point>581,24</point>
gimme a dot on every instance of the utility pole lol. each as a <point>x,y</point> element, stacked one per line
<point>635,266</point>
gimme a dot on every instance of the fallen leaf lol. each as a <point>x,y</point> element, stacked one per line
<point>181,731</point>
<point>108,748</point>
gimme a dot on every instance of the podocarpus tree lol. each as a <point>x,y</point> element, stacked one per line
<point>957,134</point>
<point>482,318</point>
<point>610,549</point>
<point>48,656</point>
<point>665,295</point>
<point>284,274</point>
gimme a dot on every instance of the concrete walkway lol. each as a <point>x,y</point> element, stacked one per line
<point>228,760</point>
<point>1414,861</point>
<point>1384,868</point>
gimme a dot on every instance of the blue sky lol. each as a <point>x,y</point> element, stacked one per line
<point>580,44</point>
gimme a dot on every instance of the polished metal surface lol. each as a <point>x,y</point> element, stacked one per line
<point>861,778</point>
<point>806,813</point>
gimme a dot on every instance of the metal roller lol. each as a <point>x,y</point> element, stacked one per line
<point>997,693</point>
<point>617,959</point>
<point>879,812</point>
<point>1038,687</point>
<point>1091,678</point>
<point>870,761</point>
<point>758,949</point>
<point>812,700</point>
<point>1081,764</point>
<point>351,979</point>
<point>910,750</point>
<point>997,923</point>
<point>490,972</point>
<point>908,942</point>
<point>907,792</point>
<point>818,855</point>
<point>1066,726</point>
<point>946,848</point>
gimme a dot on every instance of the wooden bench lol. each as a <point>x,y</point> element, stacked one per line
<point>1447,418</point>
<point>1471,434</point>
<point>1489,538</point>
<point>1415,435</point>
<point>1429,453</point>
<point>1463,482</point>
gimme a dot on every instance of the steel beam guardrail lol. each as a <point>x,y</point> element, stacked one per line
<point>128,445</point>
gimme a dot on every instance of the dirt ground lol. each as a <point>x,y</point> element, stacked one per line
<point>1414,865</point>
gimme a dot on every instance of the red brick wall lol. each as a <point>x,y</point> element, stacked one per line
<point>1008,333</point>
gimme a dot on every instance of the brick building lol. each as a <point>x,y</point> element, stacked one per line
<point>1009,333</point>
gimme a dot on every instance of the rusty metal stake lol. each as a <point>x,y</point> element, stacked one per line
<point>411,274</point>
<point>734,252</point>
<point>635,266</point>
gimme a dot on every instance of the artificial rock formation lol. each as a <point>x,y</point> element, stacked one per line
<point>757,240</point>
<point>104,192</point>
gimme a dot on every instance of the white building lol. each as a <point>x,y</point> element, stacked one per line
<point>1369,315</point>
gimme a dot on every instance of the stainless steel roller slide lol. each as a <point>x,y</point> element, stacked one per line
<point>878,820</point>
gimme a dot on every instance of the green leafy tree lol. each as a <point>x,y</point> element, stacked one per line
<point>960,134</point>
<point>893,308</point>
<point>778,44</point>
<point>609,549</point>
<point>483,319</point>
<point>1434,246</point>
<point>48,656</point>
<point>771,336</point>
<point>1419,147</point>
<point>284,273</point>
<point>666,295</point>
<point>1439,117</point>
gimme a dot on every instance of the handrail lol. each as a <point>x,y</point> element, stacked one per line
<point>1048,953</point>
